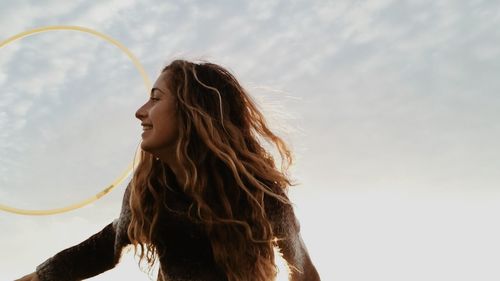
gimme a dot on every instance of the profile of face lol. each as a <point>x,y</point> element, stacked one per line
<point>158,118</point>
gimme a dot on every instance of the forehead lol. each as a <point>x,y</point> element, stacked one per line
<point>162,81</point>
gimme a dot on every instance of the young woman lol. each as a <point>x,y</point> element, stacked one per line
<point>206,199</point>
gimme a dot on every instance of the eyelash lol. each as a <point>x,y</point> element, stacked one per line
<point>154,99</point>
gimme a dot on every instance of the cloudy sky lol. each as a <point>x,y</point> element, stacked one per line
<point>391,107</point>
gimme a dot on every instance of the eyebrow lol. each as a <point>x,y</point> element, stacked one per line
<point>157,89</point>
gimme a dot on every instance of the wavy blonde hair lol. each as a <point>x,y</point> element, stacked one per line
<point>229,173</point>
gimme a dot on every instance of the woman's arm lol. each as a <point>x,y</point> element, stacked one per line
<point>93,256</point>
<point>286,228</point>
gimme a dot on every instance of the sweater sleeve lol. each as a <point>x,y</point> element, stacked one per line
<point>286,228</point>
<point>93,256</point>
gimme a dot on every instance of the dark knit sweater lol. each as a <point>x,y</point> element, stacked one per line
<point>189,256</point>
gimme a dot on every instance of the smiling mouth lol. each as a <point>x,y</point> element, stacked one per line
<point>146,127</point>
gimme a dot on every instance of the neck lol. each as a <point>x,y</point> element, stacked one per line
<point>167,156</point>
<point>176,168</point>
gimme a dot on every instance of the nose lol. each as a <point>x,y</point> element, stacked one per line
<point>141,113</point>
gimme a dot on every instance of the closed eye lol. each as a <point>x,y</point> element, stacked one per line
<point>152,96</point>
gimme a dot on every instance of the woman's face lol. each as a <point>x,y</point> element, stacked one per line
<point>158,118</point>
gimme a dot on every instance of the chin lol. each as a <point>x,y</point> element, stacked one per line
<point>151,149</point>
<point>158,148</point>
<point>146,147</point>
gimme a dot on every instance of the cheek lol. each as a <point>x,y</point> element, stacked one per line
<point>165,126</point>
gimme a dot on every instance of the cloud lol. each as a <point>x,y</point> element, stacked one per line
<point>46,115</point>
<point>20,16</point>
<point>3,78</point>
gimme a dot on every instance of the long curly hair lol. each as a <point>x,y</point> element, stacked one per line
<point>228,172</point>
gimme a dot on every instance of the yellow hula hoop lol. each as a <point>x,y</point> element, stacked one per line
<point>129,169</point>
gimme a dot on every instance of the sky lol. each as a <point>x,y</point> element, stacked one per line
<point>391,109</point>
